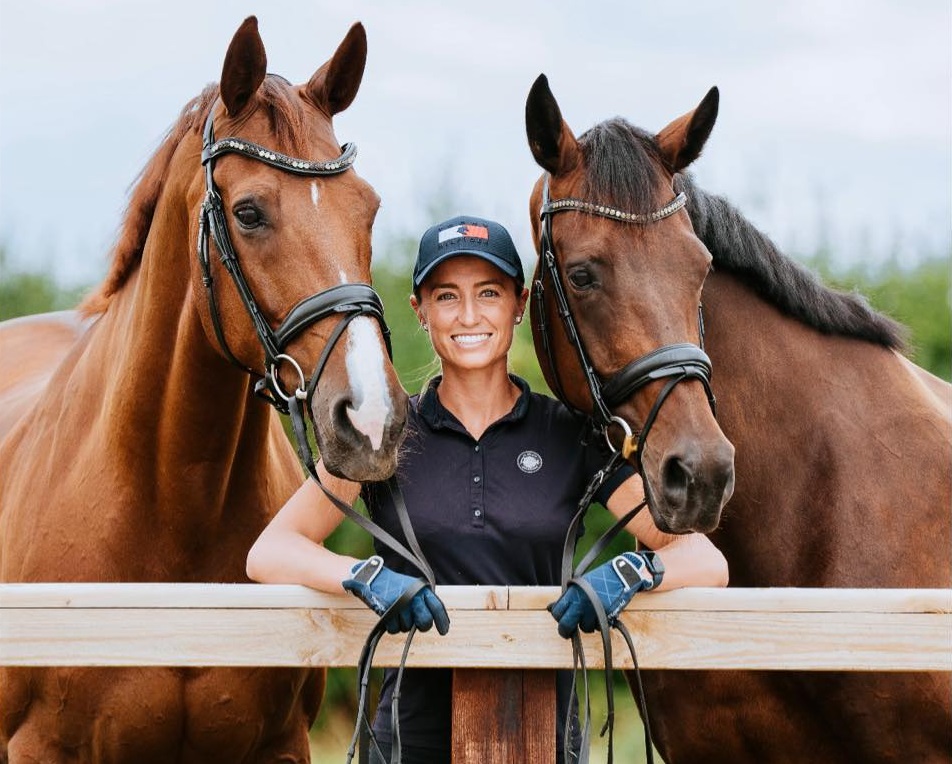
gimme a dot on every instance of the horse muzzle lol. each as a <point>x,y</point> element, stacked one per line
<point>692,484</point>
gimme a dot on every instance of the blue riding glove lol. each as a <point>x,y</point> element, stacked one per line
<point>615,582</point>
<point>379,587</point>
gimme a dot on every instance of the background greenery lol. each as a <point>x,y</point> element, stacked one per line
<point>917,295</point>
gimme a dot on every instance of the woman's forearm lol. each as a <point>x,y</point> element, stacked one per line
<point>691,560</point>
<point>281,556</point>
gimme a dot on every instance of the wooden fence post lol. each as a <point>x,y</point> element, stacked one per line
<point>503,715</point>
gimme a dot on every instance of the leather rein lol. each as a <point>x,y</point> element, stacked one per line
<point>674,363</point>
<point>344,301</point>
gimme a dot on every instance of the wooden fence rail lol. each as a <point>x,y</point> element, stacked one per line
<point>492,627</point>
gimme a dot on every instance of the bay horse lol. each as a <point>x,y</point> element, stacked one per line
<point>843,446</point>
<point>145,455</point>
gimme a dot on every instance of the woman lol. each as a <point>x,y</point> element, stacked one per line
<point>491,474</point>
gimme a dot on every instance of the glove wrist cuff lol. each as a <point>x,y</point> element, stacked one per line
<point>366,571</point>
<point>639,570</point>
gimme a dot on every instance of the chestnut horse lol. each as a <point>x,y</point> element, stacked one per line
<point>145,456</point>
<point>843,446</point>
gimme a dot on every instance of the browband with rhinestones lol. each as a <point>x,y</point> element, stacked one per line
<point>561,205</point>
<point>282,161</point>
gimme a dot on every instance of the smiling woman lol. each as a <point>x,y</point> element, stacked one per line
<point>491,474</point>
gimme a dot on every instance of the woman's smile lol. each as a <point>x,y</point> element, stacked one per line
<point>469,340</point>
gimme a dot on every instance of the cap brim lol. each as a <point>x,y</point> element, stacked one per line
<point>500,264</point>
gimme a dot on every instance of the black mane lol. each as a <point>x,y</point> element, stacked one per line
<point>624,169</point>
<point>739,248</point>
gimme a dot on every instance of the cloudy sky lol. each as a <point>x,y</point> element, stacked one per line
<point>835,120</point>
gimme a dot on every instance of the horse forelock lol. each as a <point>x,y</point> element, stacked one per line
<point>740,249</point>
<point>623,166</point>
<point>287,117</point>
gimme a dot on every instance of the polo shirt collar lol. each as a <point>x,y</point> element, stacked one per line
<point>432,411</point>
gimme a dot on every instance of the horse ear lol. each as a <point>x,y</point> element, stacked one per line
<point>551,140</point>
<point>334,86</point>
<point>244,68</point>
<point>681,141</point>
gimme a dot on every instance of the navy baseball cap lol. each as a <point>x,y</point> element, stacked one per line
<point>467,235</point>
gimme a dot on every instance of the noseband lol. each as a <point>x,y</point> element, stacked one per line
<point>345,300</point>
<point>676,362</point>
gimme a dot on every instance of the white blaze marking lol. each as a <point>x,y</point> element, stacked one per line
<point>314,195</point>
<point>343,276</point>
<point>368,380</point>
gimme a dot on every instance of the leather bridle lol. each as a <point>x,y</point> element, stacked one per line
<point>675,363</point>
<point>345,300</point>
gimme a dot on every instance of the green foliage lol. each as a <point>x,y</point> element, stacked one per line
<point>26,292</point>
<point>918,297</point>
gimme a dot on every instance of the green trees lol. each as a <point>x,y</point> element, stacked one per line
<point>918,297</point>
<point>23,292</point>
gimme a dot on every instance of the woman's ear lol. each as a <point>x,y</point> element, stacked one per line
<point>418,309</point>
<point>521,304</point>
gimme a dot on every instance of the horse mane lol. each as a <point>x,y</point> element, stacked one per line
<point>286,115</point>
<point>624,167</point>
<point>740,249</point>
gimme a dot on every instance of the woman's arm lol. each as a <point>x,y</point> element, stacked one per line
<point>689,560</point>
<point>290,550</point>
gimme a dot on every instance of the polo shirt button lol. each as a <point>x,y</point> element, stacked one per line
<point>478,513</point>
<point>476,449</point>
<point>475,478</point>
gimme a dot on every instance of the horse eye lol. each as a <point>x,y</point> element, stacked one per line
<point>248,216</point>
<point>581,278</point>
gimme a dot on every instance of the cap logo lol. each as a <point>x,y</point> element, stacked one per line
<point>464,231</point>
<point>529,462</point>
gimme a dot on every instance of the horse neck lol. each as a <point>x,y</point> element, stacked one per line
<point>182,415</point>
<point>826,430</point>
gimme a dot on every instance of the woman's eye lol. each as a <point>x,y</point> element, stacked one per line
<point>249,216</point>
<point>489,293</point>
<point>444,296</point>
<point>581,278</point>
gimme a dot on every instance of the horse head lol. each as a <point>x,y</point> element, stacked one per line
<point>628,269</point>
<point>285,244</point>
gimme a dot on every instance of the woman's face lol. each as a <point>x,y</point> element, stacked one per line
<point>470,308</point>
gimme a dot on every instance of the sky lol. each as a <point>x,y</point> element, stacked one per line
<point>835,123</point>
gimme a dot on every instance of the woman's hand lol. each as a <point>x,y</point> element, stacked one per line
<point>379,588</point>
<point>614,582</point>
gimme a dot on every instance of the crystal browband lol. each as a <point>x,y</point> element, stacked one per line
<point>282,161</point>
<point>561,205</point>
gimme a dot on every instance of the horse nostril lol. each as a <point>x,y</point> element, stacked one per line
<point>676,482</point>
<point>339,415</point>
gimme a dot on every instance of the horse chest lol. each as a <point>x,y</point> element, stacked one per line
<point>164,715</point>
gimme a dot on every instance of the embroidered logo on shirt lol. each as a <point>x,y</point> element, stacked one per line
<point>529,462</point>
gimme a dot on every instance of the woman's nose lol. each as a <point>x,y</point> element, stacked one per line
<point>469,313</point>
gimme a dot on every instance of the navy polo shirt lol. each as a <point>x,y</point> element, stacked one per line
<point>492,511</point>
